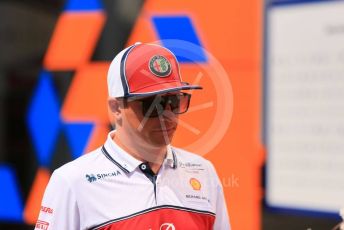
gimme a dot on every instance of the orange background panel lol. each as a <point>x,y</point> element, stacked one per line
<point>73,40</point>
<point>33,203</point>
<point>86,100</point>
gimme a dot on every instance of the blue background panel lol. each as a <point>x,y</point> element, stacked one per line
<point>43,119</point>
<point>83,5</point>
<point>170,29</point>
<point>11,207</point>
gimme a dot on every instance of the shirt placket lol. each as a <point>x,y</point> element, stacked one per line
<point>154,178</point>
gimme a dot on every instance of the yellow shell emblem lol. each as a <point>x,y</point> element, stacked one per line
<point>195,184</point>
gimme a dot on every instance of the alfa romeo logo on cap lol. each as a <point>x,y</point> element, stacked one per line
<point>160,66</point>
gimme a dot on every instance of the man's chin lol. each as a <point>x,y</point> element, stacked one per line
<point>161,140</point>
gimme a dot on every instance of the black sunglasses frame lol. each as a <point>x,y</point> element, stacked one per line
<point>155,106</point>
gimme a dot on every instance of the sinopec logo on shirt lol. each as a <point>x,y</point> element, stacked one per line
<point>100,176</point>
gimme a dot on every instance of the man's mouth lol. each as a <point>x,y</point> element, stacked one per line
<point>167,129</point>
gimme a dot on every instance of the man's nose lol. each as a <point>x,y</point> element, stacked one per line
<point>168,114</point>
<point>168,106</point>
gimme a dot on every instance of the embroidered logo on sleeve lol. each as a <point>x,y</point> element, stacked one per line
<point>47,210</point>
<point>42,225</point>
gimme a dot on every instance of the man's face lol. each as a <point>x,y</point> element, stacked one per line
<point>156,131</point>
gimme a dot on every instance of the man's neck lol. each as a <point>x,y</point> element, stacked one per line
<point>143,152</point>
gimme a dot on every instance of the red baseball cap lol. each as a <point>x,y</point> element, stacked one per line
<point>144,70</point>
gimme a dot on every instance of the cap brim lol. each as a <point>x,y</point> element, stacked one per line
<point>163,88</point>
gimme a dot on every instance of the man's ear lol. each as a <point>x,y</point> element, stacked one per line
<point>115,111</point>
<point>114,106</point>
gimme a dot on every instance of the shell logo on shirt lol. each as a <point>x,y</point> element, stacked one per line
<point>195,184</point>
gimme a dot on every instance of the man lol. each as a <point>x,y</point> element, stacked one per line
<point>136,180</point>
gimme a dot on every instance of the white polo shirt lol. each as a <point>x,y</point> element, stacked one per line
<point>110,189</point>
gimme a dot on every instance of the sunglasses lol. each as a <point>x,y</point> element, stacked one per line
<point>156,105</point>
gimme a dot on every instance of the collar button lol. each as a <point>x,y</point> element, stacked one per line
<point>143,166</point>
